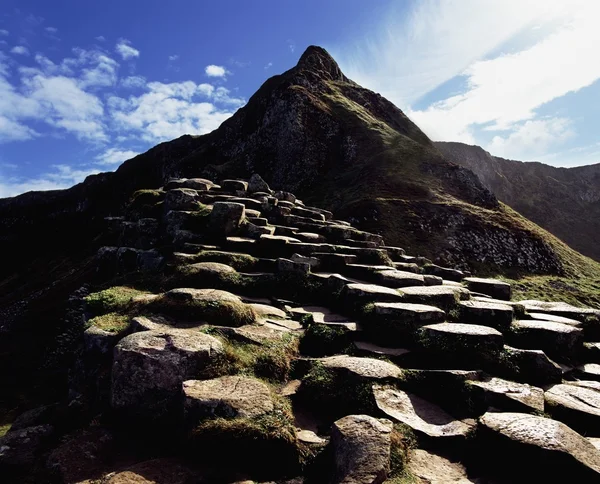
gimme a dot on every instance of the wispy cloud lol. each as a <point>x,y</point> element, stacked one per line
<point>268,66</point>
<point>173,57</point>
<point>100,38</point>
<point>215,71</point>
<point>291,45</point>
<point>115,156</point>
<point>51,30</point>
<point>125,49</point>
<point>4,32</point>
<point>133,82</point>
<point>20,50</point>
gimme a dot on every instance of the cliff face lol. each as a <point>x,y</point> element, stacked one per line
<point>564,201</point>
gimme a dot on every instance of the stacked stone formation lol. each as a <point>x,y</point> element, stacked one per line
<point>446,355</point>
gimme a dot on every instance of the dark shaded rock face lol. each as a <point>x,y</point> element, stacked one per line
<point>565,201</point>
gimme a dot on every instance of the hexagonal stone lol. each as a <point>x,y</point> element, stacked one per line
<point>531,366</point>
<point>234,185</point>
<point>492,287</point>
<point>537,448</point>
<point>444,272</point>
<point>181,199</point>
<point>396,279</point>
<point>555,319</point>
<point>225,218</point>
<point>555,339</point>
<point>444,297</point>
<point>226,397</point>
<point>406,312</point>
<point>460,340</point>
<point>420,415</point>
<point>361,447</point>
<point>507,395</point>
<point>558,309</point>
<point>498,316</point>
<point>577,406</point>
<point>370,368</point>
<point>150,366</point>
<point>589,371</point>
<point>364,293</point>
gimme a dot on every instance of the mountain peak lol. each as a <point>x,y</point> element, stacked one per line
<point>317,60</point>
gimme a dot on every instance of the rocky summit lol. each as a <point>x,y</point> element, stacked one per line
<point>297,297</point>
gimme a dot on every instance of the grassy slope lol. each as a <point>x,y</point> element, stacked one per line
<point>389,181</point>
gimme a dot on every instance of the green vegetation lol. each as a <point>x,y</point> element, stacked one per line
<point>240,262</point>
<point>403,441</point>
<point>111,322</point>
<point>321,340</point>
<point>271,360</point>
<point>4,428</point>
<point>113,299</point>
<point>146,203</point>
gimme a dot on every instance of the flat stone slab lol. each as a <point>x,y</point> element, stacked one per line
<point>444,297</point>
<point>396,279</point>
<point>370,293</point>
<point>555,319</point>
<point>538,447</point>
<point>555,339</point>
<point>461,339</point>
<point>498,316</point>
<point>577,406</point>
<point>492,287</point>
<point>558,309</point>
<point>404,312</point>
<point>532,366</point>
<point>319,314</point>
<point>420,415</point>
<point>508,395</point>
<point>265,310</point>
<point>589,371</point>
<point>363,367</point>
<point>430,468</point>
<point>361,448</point>
<point>227,397</point>
<point>373,349</point>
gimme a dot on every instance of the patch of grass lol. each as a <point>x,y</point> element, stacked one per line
<point>111,322</point>
<point>4,429</point>
<point>240,262</point>
<point>271,360</point>
<point>111,300</point>
<point>321,340</point>
<point>190,275</point>
<point>146,203</point>
<point>403,441</point>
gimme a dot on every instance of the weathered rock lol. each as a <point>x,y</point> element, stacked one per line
<point>99,342</point>
<point>257,184</point>
<point>577,406</point>
<point>19,449</point>
<point>397,279</point>
<point>531,366</point>
<point>181,199</point>
<point>492,287</point>
<point>559,309</point>
<point>226,397</point>
<point>285,196</point>
<point>210,306</point>
<point>394,322</point>
<point>555,319</point>
<point>444,272</point>
<point>199,184</point>
<point>555,339</point>
<point>369,368</point>
<point>205,274</point>
<point>149,368</point>
<point>286,266</point>
<point>364,293</point>
<point>156,471</point>
<point>361,447</point>
<point>462,341</point>
<point>444,297</point>
<point>44,415</point>
<point>430,280</point>
<point>430,468</point>
<point>234,185</point>
<point>420,415</point>
<point>498,316</point>
<point>225,218</point>
<point>507,395</point>
<point>589,371</point>
<point>540,448</point>
<point>255,231</point>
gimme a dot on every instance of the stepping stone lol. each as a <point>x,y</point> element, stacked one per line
<point>282,230</point>
<point>287,266</point>
<point>252,213</point>
<point>531,366</point>
<point>559,309</point>
<point>225,397</point>
<point>577,406</point>
<point>392,321</point>
<point>507,395</point>
<point>555,339</point>
<point>225,218</point>
<point>420,415</point>
<point>277,239</point>
<point>199,184</point>
<point>234,185</point>
<point>395,253</point>
<point>492,287</point>
<point>405,266</point>
<point>366,348</point>
<point>537,448</point>
<point>255,231</point>
<point>430,468</point>
<point>591,352</point>
<point>398,279</point>
<point>261,222</point>
<point>361,243</point>
<point>310,214</point>
<point>555,319</point>
<point>334,261</point>
<point>181,199</point>
<point>498,316</point>
<point>310,237</point>
<point>149,367</point>
<point>444,297</point>
<point>462,340</point>
<point>265,310</point>
<point>369,368</point>
<point>366,271</point>
<point>318,314</point>
<point>589,371</point>
<point>361,449</point>
<point>365,293</point>
<point>432,280</point>
<point>444,272</point>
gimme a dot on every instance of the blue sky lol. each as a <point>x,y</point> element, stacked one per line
<point>86,85</point>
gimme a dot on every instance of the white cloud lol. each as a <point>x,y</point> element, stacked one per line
<point>215,71</point>
<point>268,66</point>
<point>20,49</point>
<point>507,89</point>
<point>291,45</point>
<point>125,49</point>
<point>132,82</point>
<point>114,156</point>
<point>51,30</point>
<point>4,32</point>
<point>11,130</point>
<point>100,38</point>
<point>62,176</point>
<point>167,111</point>
<point>173,58</point>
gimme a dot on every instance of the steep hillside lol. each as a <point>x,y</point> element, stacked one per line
<point>564,201</point>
